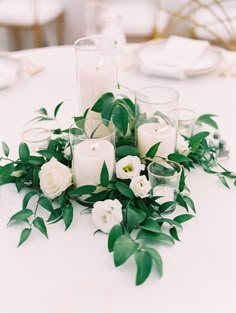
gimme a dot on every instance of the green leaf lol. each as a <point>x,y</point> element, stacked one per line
<point>166,206</point>
<point>57,109</point>
<point>35,160</point>
<point>135,216</point>
<point>124,247</point>
<point>35,177</point>
<point>20,181</point>
<point>183,218</point>
<point>179,158</point>
<point>42,111</point>
<point>27,198</point>
<point>128,105</point>
<point>120,119</point>
<point>122,151</point>
<point>169,221</point>
<point>107,98</point>
<point>67,213</point>
<point>24,153</point>
<point>22,215</point>
<point>48,154</point>
<point>150,225</point>
<point>195,140</point>
<point>40,225</point>
<point>45,203</point>
<point>24,235</point>
<point>55,216</point>
<point>174,233</point>
<point>5,149</point>
<point>180,201</point>
<point>182,181</point>
<point>190,203</point>
<point>144,265</point>
<point>223,181</point>
<point>152,152</point>
<point>146,235</point>
<point>106,111</point>
<point>104,177</point>
<point>156,258</point>
<point>207,119</point>
<point>125,190</point>
<point>114,234</point>
<point>83,190</point>
<point>5,172</point>
<point>100,196</point>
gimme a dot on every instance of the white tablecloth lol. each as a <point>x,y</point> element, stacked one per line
<point>73,272</point>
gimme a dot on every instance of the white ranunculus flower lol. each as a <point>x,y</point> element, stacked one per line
<point>106,214</point>
<point>55,178</point>
<point>140,186</point>
<point>129,167</point>
<point>182,146</point>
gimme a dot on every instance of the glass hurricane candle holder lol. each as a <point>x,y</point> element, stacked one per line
<point>96,69</point>
<point>186,120</point>
<point>155,120</point>
<point>36,139</point>
<point>164,177</point>
<point>92,144</point>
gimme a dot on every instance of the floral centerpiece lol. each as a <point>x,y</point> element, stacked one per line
<point>123,204</point>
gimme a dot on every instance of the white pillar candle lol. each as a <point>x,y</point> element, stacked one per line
<point>88,159</point>
<point>151,133</point>
<point>94,82</point>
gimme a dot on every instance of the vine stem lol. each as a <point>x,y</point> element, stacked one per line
<point>35,213</point>
<point>7,159</point>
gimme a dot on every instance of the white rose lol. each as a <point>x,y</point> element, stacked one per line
<point>129,167</point>
<point>106,214</point>
<point>140,186</point>
<point>182,146</point>
<point>55,178</point>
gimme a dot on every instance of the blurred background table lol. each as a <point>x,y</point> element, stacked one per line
<point>73,272</point>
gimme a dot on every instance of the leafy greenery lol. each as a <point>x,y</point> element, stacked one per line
<point>144,220</point>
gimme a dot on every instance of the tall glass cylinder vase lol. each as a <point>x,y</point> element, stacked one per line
<point>155,121</point>
<point>96,69</point>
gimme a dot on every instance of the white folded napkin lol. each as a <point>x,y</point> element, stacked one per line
<point>177,56</point>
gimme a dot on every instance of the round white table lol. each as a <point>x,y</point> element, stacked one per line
<point>73,272</point>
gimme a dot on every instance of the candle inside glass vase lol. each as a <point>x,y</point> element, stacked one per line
<point>92,144</point>
<point>164,176</point>
<point>96,70</point>
<point>153,120</point>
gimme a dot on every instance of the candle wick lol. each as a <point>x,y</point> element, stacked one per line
<point>162,129</point>
<point>94,146</point>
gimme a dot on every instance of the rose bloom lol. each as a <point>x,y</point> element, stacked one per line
<point>106,214</point>
<point>129,167</point>
<point>55,178</point>
<point>140,186</point>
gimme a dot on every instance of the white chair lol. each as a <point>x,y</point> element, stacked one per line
<point>174,17</point>
<point>17,15</point>
<point>137,16</point>
<point>215,21</point>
